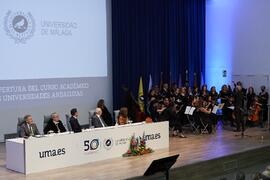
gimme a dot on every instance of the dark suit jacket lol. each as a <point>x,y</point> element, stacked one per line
<point>25,131</point>
<point>75,125</point>
<point>52,127</point>
<point>96,122</point>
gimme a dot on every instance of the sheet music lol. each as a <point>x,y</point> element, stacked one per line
<point>192,110</point>
<point>220,106</point>
<point>187,109</point>
<point>215,109</point>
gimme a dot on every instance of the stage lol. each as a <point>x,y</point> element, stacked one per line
<point>201,157</point>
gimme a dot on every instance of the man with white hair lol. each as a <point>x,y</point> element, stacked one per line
<point>97,120</point>
<point>54,125</point>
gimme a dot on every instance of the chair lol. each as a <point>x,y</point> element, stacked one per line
<point>204,126</point>
<point>67,122</point>
<point>192,124</point>
<point>46,120</point>
<point>115,114</point>
<point>20,122</point>
<point>91,114</point>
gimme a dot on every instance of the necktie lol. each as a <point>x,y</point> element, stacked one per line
<point>58,130</point>
<point>31,130</point>
<point>101,122</point>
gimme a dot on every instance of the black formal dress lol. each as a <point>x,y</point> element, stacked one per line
<point>239,110</point>
<point>263,99</point>
<point>106,116</point>
<point>55,127</point>
<point>250,99</point>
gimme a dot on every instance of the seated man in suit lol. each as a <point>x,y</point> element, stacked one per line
<point>74,123</point>
<point>97,120</point>
<point>28,128</point>
<point>54,125</point>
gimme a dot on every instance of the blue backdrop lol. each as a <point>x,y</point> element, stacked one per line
<point>154,36</point>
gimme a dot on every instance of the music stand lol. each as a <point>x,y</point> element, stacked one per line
<point>161,165</point>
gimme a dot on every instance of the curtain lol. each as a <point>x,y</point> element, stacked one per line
<point>156,37</point>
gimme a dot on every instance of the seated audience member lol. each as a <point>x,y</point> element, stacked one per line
<point>97,120</point>
<point>74,123</point>
<point>123,116</point>
<point>106,115</point>
<point>54,125</point>
<point>28,128</point>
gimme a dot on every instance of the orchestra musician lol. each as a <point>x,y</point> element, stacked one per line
<point>205,110</point>
<point>254,112</point>
<point>263,98</point>
<point>250,97</point>
<point>204,93</point>
<point>239,108</point>
<point>225,95</point>
<point>213,93</point>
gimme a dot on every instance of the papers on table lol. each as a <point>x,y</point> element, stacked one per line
<point>189,110</point>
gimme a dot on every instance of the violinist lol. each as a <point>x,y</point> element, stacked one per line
<point>224,95</point>
<point>165,91</point>
<point>178,117</point>
<point>213,93</point>
<point>205,113</point>
<point>204,93</point>
<point>196,92</point>
<point>213,117</point>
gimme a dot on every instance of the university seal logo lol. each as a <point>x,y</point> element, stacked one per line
<point>19,26</point>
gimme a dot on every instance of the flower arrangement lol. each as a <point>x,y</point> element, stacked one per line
<point>137,147</point>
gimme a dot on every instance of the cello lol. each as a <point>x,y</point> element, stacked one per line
<point>254,115</point>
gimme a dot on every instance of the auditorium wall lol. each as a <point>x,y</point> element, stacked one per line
<point>237,40</point>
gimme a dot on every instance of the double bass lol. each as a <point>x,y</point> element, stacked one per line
<point>254,115</point>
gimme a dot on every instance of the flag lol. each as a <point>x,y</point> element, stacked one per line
<point>161,80</point>
<point>170,85</point>
<point>202,79</point>
<point>186,77</point>
<point>179,80</point>
<point>140,95</point>
<point>150,83</point>
<point>195,80</point>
